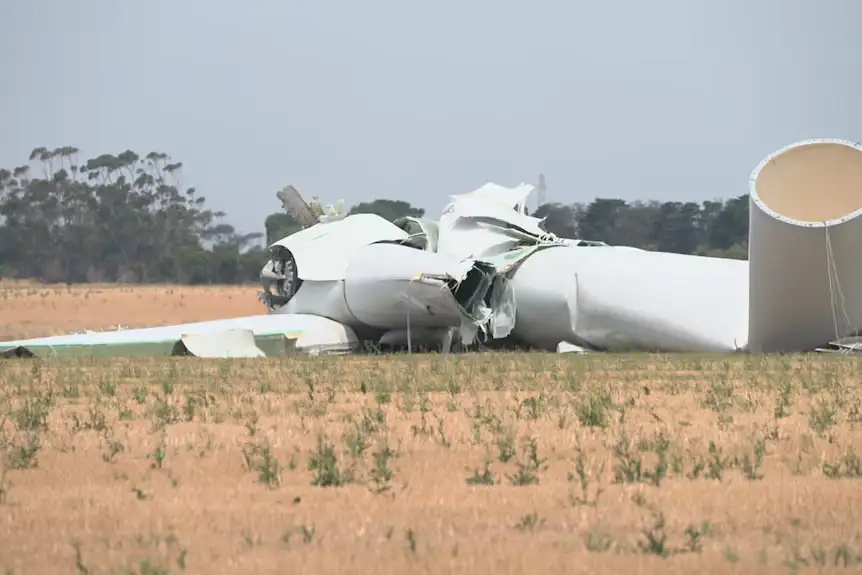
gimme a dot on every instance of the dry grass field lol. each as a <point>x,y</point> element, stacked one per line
<point>477,463</point>
<point>33,310</point>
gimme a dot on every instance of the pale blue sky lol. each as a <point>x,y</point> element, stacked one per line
<point>665,99</point>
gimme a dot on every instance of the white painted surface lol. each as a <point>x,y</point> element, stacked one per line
<point>386,283</point>
<point>623,299</point>
<point>323,251</point>
<point>310,327</point>
<point>794,305</point>
<point>222,343</point>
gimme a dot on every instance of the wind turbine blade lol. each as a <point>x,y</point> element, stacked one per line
<point>296,207</point>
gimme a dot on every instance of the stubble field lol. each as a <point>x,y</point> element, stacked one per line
<point>478,463</point>
<point>34,310</point>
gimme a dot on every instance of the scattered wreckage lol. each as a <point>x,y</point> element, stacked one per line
<point>487,273</point>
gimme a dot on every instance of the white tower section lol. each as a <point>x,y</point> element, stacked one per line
<point>804,240</point>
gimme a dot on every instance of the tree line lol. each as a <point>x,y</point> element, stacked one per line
<point>711,228</point>
<point>130,218</point>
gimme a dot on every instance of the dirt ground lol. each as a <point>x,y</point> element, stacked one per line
<point>492,463</point>
<point>33,310</point>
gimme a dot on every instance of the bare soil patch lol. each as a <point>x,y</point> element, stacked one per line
<point>35,310</point>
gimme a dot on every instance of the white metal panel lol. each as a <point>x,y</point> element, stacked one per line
<point>386,282</point>
<point>512,198</point>
<point>323,250</point>
<point>623,299</point>
<point>546,298</point>
<point>327,338</point>
<point>805,246</point>
<point>320,298</point>
<point>223,343</point>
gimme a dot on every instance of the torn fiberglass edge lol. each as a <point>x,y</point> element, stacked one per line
<point>421,233</point>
